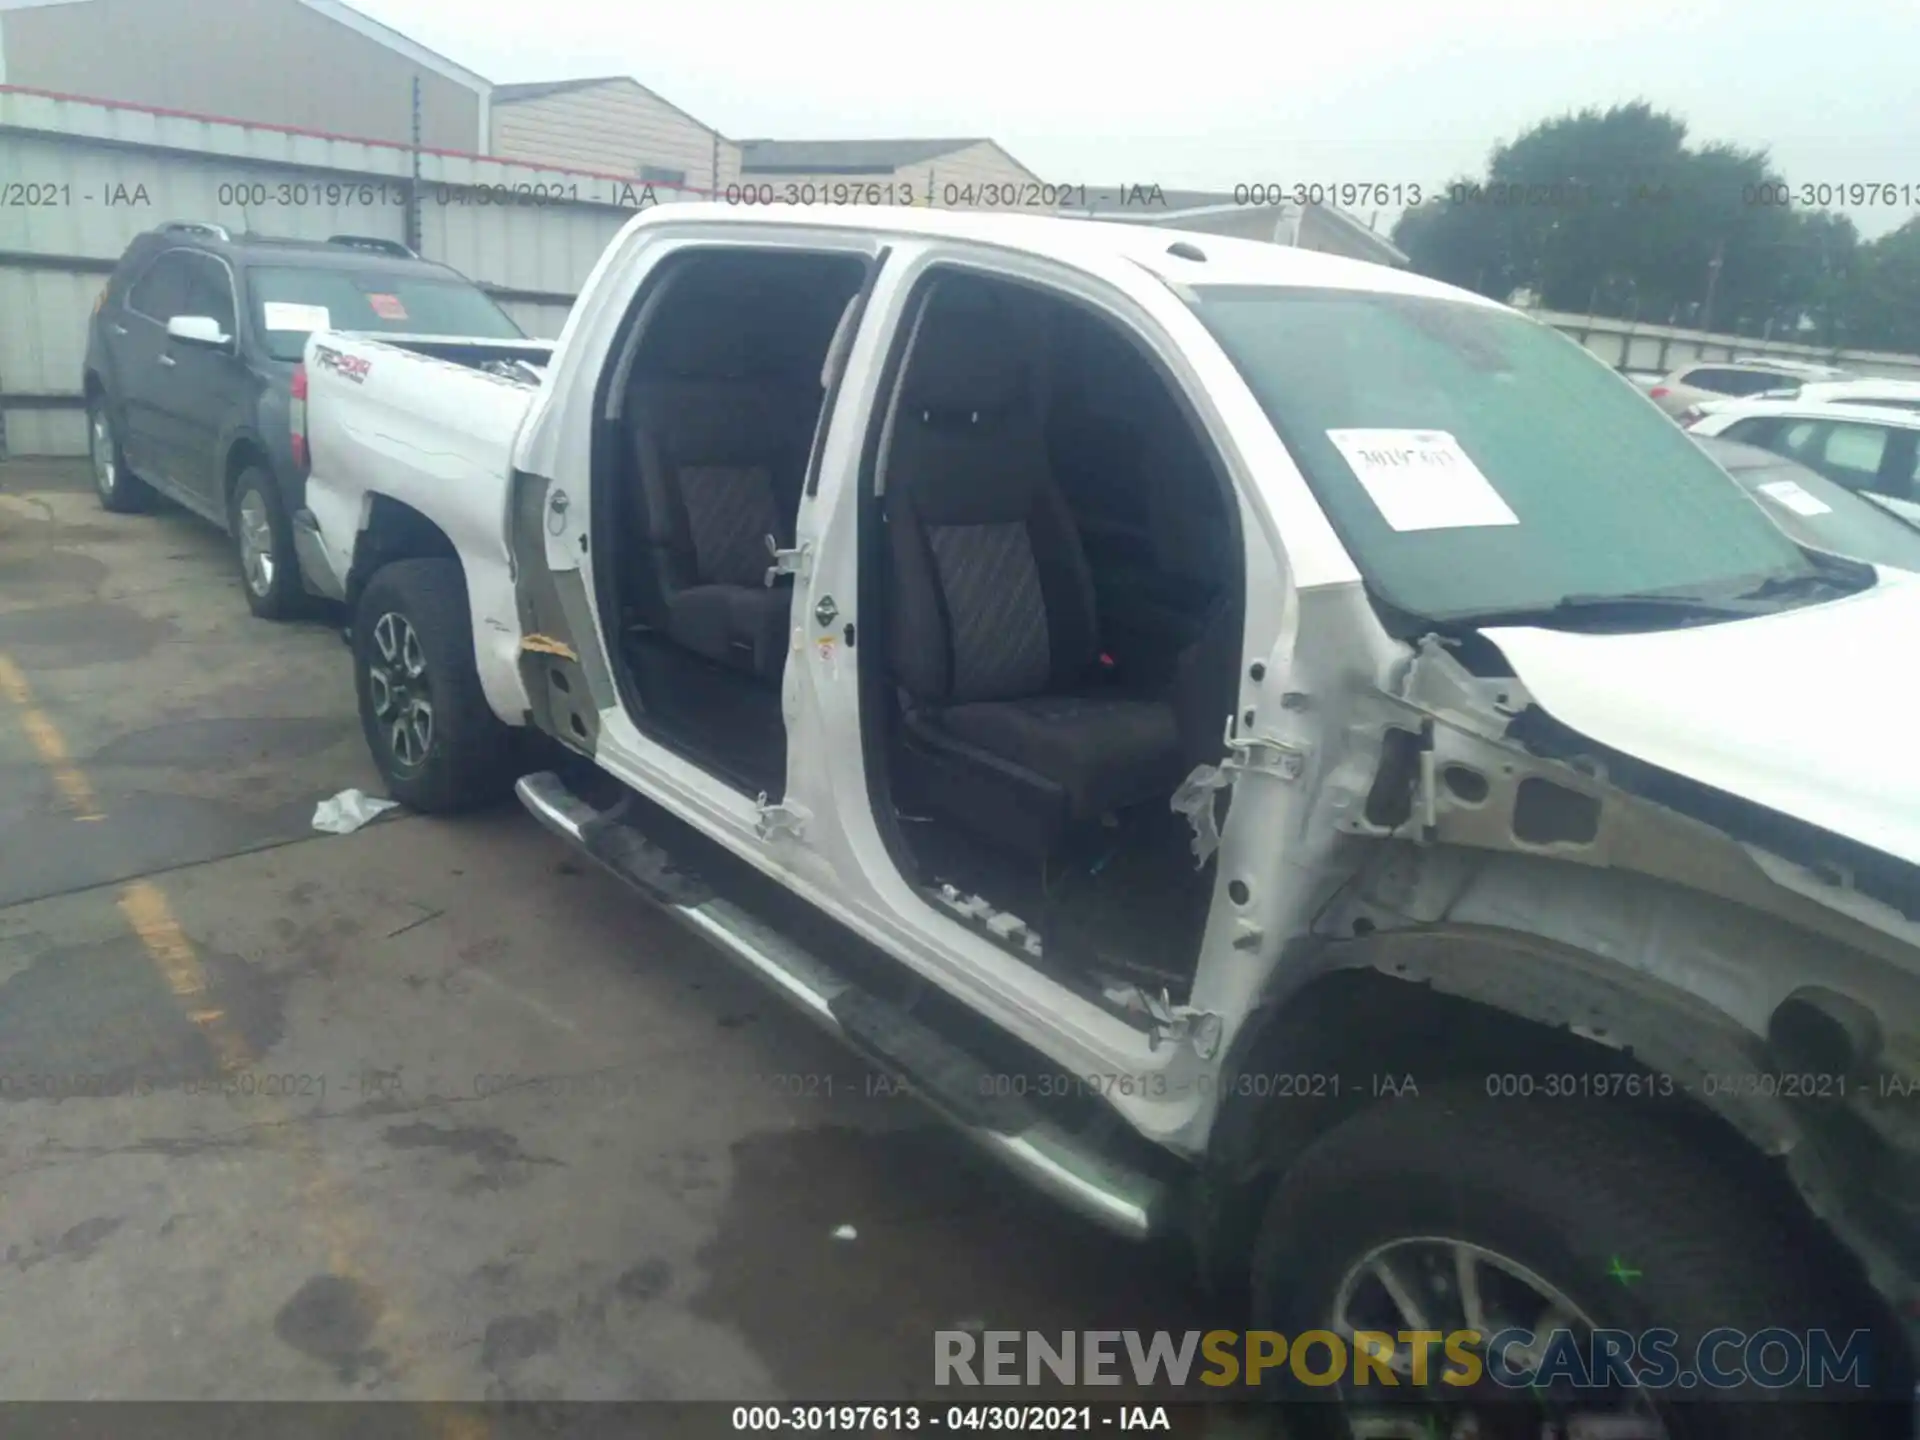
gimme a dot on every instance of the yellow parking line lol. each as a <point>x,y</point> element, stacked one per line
<point>147,912</point>
<point>331,1211</point>
<point>49,744</point>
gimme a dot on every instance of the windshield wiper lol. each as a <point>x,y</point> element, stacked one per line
<point>1809,583</point>
<point>1625,606</point>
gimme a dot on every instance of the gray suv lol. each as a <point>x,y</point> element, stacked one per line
<point>190,357</point>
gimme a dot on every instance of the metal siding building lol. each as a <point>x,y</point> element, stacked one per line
<point>933,169</point>
<point>97,174</point>
<point>316,64</point>
<point>612,124</point>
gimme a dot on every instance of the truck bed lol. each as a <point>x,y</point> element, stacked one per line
<point>427,423</point>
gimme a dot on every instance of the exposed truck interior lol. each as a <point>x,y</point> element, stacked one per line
<point>712,425</point>
<point>1049,550</point>
<point>1053,548</point>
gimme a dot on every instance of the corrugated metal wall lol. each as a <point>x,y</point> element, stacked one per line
<point>80,179</point>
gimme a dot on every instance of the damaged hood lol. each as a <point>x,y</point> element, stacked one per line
<point>1813,712</point>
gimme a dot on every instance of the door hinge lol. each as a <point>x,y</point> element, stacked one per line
<point>787,562</point>
<point>1172,1024</point>
<point>782,819</point>
<point>1263,755</point>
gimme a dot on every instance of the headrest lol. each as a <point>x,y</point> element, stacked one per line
<point>970,353</point>
<point>698,343</point>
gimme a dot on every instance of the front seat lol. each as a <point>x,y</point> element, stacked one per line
<point>719,447</point>
<point>1010,732</point>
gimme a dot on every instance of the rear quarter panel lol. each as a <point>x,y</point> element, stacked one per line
<point>438,438</point>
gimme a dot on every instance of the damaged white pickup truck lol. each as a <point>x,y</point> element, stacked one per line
<point>1279,751</point>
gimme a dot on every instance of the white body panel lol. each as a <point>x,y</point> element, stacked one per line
<point>447,441</point>
<point>1786,710</point>
<point>1719,416</point>
<point>437,437</point>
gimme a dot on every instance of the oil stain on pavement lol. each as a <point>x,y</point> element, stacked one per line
<point>331,1318</point>
<point>70,637</point>
<point>102,1015</point>
<point>500,1161</point>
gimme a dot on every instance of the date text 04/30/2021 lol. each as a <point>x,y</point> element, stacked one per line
<point>924,1416</point>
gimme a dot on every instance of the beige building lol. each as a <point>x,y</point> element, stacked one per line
<point>309,64</point>
<point>944,173</point>
<point>1311,227</point>
<point>615,125</point>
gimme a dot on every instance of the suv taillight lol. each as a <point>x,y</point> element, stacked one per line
<point>1658,391</point>
<point>297,415</point>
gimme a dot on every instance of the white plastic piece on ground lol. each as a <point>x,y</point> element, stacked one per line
<point>348,811</point>
<point>844,1232</point>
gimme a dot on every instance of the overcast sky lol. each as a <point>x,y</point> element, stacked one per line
<point>1207,94</point>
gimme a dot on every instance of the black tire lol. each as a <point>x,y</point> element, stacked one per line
<point>1565,1188</point>
<point>117,488</point>
<point>464,761</point>
<point>272,586</point>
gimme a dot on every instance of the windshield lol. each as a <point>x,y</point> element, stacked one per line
<point>1817,512</point>
<point>1476,462</point>
<point>290,302</point>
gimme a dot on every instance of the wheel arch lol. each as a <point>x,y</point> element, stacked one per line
<point>394,530</point>
<point>1452,1004</point>
<point>244,451</point>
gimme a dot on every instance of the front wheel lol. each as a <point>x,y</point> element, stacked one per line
<point>437,742</point>
<point>117,487</point>
<point>1558,1232</point>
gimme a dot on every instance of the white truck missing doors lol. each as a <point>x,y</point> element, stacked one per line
<point>1277,750</point>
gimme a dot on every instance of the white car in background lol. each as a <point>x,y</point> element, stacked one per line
<point>1883,394</point>
<point>1817,512</point>
<point>1746,377</point>
<point>1872,448</point>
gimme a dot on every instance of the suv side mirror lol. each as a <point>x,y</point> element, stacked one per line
<point>198,330</point>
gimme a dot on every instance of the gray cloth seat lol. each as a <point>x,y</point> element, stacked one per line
<point>994,638</point>
<point>720,447</point>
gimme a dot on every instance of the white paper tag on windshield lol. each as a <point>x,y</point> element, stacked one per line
<point>1422,479</point>
<point>1789,494</point>
<point>284,315</point>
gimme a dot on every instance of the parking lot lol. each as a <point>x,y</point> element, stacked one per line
<point>428,1111</point>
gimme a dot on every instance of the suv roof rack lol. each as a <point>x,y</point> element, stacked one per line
<point>198,227</point>
<point>376,244</point>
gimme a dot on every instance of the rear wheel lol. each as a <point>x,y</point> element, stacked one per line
<point>437,742</point>
<point>263,543</point>
<point>1550,1221</point>
<point>119,489</point>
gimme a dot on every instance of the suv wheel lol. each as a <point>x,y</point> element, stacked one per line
<point>118,488</point>
<point>437,742</point>
<point>1454,1212</point>
<point>263,541</point>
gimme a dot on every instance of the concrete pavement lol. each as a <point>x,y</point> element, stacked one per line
<point>429,1111</point>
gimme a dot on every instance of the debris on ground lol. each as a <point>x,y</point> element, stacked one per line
<point>348,811</point>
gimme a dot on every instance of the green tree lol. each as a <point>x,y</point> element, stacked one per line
<point>1881,303</point>
<point>1612,212</point>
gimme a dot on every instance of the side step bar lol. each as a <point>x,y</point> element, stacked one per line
<point>952,1082</point>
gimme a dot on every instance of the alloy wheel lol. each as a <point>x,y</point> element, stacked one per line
<point>397,688</point>
<point>1438,1284</point>
<point>105,476</point>
<point>256,543</point>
